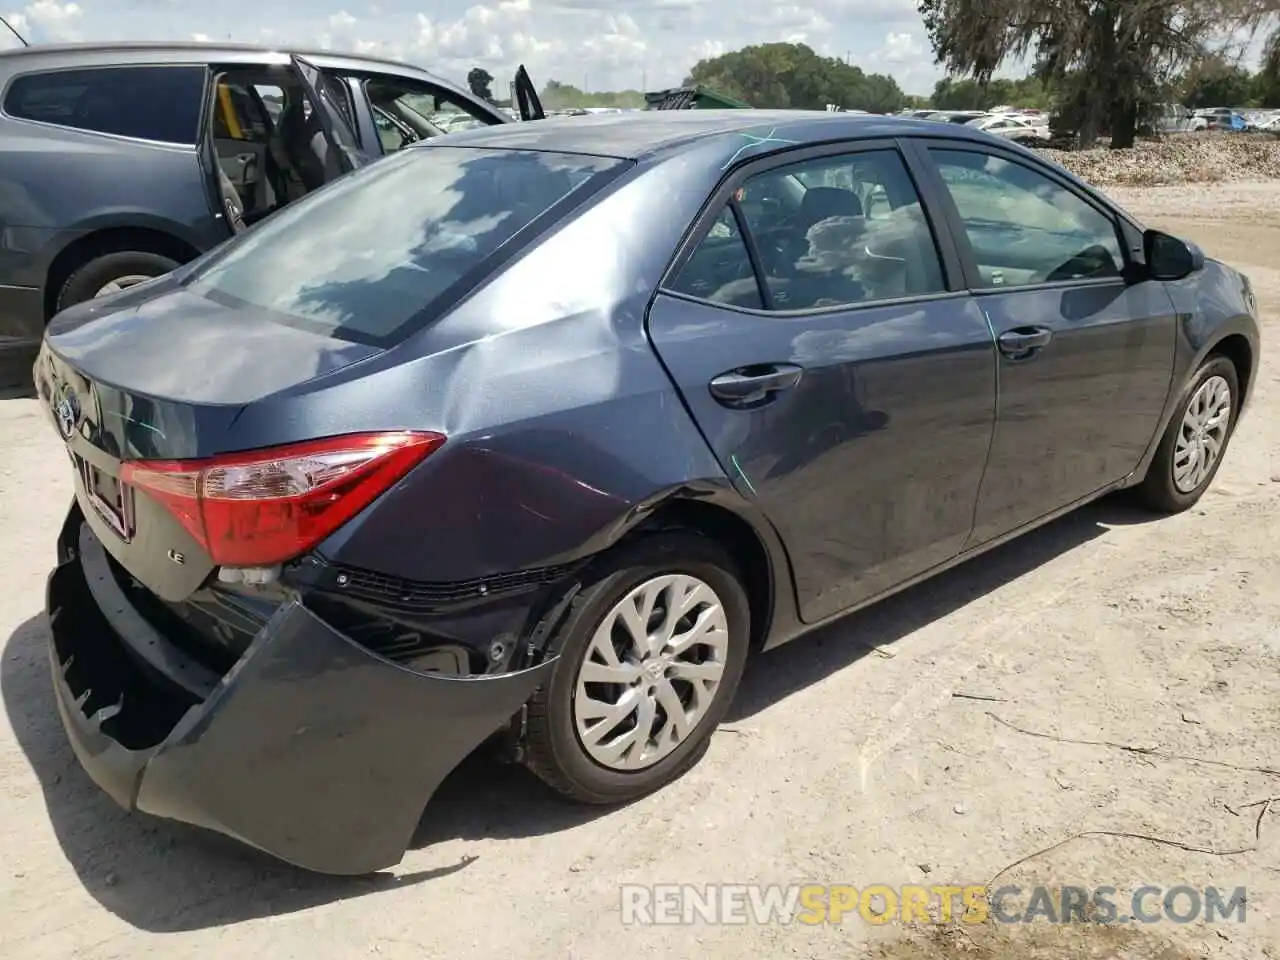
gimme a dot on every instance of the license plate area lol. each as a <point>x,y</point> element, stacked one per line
<point>110,499</point>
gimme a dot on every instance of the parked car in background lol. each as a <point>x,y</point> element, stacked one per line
<point>1175,118</point>
<point>1031,130</point>
<point>124,161</point>
<point>1264,121</point>
<point>400,469</point>
<point>955,116</point>
<point>1223,118</point>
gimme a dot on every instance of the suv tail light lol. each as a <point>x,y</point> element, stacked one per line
<point>264,507</point>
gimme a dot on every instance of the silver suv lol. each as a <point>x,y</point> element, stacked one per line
<point>119,162</point>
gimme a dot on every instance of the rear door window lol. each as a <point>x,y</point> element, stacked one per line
<point>156,103</point>
<point>852,231</point>
<point>720,269</point>
<point>371,256</point>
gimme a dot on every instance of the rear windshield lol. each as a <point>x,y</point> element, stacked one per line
<point>375,254</point>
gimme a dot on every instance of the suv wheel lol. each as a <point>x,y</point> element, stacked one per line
<point>111,273</point>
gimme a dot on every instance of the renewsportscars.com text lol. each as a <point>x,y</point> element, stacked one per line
<point>813,904</point>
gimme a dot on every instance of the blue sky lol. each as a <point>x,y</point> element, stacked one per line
<point>599,44</point>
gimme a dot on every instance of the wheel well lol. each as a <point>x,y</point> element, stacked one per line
<point>1236,349</point>
<point>738,539</point>
<point>113,240</point>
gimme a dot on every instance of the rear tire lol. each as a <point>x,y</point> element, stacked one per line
<point>1177,477</point>
<point>122,268</point>
<point>585,762</point>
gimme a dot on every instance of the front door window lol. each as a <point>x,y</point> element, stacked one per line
<point>1025,228</point>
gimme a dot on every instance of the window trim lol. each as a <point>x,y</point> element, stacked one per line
<point>202,117</point>
<point>949,260</point>
<point>922,147</point>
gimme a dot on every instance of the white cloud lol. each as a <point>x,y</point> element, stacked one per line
<point>606,44</point>
<point>905,56</point>
<point>47,19</point>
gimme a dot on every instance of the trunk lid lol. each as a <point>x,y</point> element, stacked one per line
<point>189,349</point>
<point>191,366</point>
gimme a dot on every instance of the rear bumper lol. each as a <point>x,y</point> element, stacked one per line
<point>310,748</point>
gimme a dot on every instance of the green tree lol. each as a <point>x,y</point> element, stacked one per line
<point>950,93</point>
<point>563,96</point>
<point>1217,82</point>
<point>1266,82</point>
<point>1109,59</point>
<point>479,80</point>
<point>793,75</point>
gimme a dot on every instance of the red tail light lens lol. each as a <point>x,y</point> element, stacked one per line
<point>264,507</point>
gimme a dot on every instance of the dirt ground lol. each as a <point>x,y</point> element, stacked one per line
<point>849,759</point>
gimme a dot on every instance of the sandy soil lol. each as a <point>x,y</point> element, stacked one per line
<point>849,759</point>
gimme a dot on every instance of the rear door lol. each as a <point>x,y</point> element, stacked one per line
<point>528,103</point>
<point>843,377</point>
<point>1086,347</point>
<point>324,94</point>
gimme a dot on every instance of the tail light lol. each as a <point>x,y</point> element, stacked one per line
<point>264,507</point>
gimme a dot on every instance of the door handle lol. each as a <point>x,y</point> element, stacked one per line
<point>748,386</point>
<point>1021,342</point>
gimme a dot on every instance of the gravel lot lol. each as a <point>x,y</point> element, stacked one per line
<point>848,760</point>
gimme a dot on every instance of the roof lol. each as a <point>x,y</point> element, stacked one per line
<point>633,136</point>
<point>203,48</point>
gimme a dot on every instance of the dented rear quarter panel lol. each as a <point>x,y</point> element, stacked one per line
<point>563,427</point>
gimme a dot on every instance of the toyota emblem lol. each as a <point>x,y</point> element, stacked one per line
<point>67,413</point>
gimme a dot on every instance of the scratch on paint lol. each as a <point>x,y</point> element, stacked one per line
<point>525,506</point>
<point>755,141</point>
<point>136,423</point>
<point>733,458</point>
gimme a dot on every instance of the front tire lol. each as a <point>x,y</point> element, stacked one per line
<point>651,654</point>
<point>1195,441</point>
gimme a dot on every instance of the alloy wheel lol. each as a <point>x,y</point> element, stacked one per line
<point>1202,434</point>
<point>121,283</point>
<point>651,672</point>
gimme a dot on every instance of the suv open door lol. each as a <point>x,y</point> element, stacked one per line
<point>331,115</point>
<point>527,102</point>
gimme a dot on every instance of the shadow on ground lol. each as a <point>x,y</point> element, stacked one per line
<point>163,877</point>
<point>15,374</point>
<point>774,675</point>
<point>22,392</point>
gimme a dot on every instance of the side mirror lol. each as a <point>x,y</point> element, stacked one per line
<point>1169,258</point>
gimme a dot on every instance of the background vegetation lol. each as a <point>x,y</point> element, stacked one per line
<point>1099,65</point>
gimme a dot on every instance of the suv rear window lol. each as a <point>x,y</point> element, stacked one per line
<point>146,103</point>
<point>367,258</point>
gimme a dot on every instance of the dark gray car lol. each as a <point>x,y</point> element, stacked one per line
<point>545,428</point>
<point>120,162</point>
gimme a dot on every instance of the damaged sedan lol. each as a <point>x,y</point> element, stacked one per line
<point>532,434</point>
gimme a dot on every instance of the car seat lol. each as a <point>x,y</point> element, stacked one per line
<point>299,145</point>
<point>819,203</point>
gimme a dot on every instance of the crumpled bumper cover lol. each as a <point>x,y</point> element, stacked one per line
<point>310,748</point>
